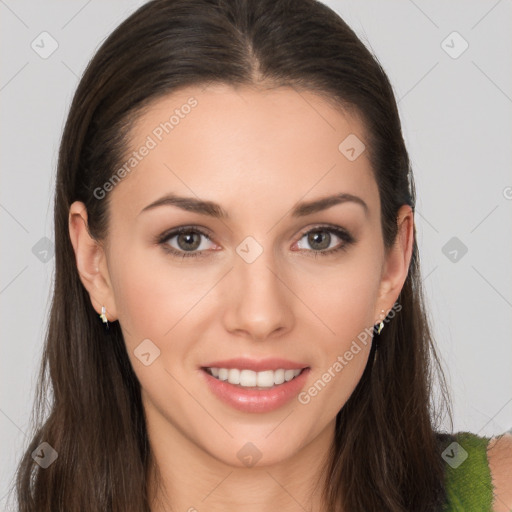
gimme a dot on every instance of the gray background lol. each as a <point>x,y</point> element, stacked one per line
<point>456,113</point>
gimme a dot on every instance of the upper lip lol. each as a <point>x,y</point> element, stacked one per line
<point>243,363</point>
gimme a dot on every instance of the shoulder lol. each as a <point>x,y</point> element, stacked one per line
<point>499,454</point>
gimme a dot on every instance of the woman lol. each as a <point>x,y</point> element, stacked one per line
<point>238,317</point>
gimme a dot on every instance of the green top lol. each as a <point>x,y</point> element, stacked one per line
<point>468,477</point>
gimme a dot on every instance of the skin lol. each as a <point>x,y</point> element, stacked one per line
<point>499,455</point>
<point>256,153</point>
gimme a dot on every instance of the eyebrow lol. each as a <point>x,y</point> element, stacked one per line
<point>212,209</point>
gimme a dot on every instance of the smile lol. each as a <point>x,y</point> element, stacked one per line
<point>251,379</point>
<point>255,392</point>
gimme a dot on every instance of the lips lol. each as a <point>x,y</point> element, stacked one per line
<point>257,385</point>
<point>243,363</point>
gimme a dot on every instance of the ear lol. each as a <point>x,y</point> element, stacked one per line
<point>396,265</point>
<point>91,261</point>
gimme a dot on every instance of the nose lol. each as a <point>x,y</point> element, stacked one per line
<point>258,300</point>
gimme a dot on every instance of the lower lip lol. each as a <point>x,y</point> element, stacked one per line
<point>256,400</point>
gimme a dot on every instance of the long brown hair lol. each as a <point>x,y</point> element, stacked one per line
<point>386,454</point>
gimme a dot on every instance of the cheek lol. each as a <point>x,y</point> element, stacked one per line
<point>152,304</point>
<point>345,306</point>
<point>147,300</point>
<point>343,296</point>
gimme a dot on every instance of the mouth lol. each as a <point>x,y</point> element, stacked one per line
<point>250,379</point>
<point>257,389</point>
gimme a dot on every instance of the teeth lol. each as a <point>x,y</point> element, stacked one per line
<point>289,374</point>
<point>234,376</point>
<point>249,378</point>
<point>279,376</point>
<point>265,379</point>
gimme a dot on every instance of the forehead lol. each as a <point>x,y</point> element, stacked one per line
<point>218,141</point>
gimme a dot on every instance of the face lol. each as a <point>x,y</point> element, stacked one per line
<point>262,274</point>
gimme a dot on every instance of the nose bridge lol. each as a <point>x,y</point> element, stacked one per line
<point>259,302</point>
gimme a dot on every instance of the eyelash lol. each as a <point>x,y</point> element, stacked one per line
<point>164,238</point>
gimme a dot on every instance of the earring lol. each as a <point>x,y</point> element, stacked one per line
<point>103,317</point>
<point>381,325</point>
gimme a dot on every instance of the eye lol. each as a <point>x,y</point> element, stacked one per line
<point>184,242</point>
<point>321,240</point>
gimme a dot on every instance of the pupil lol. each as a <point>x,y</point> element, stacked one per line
<point>313,239</point>
<point>188,238</point>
